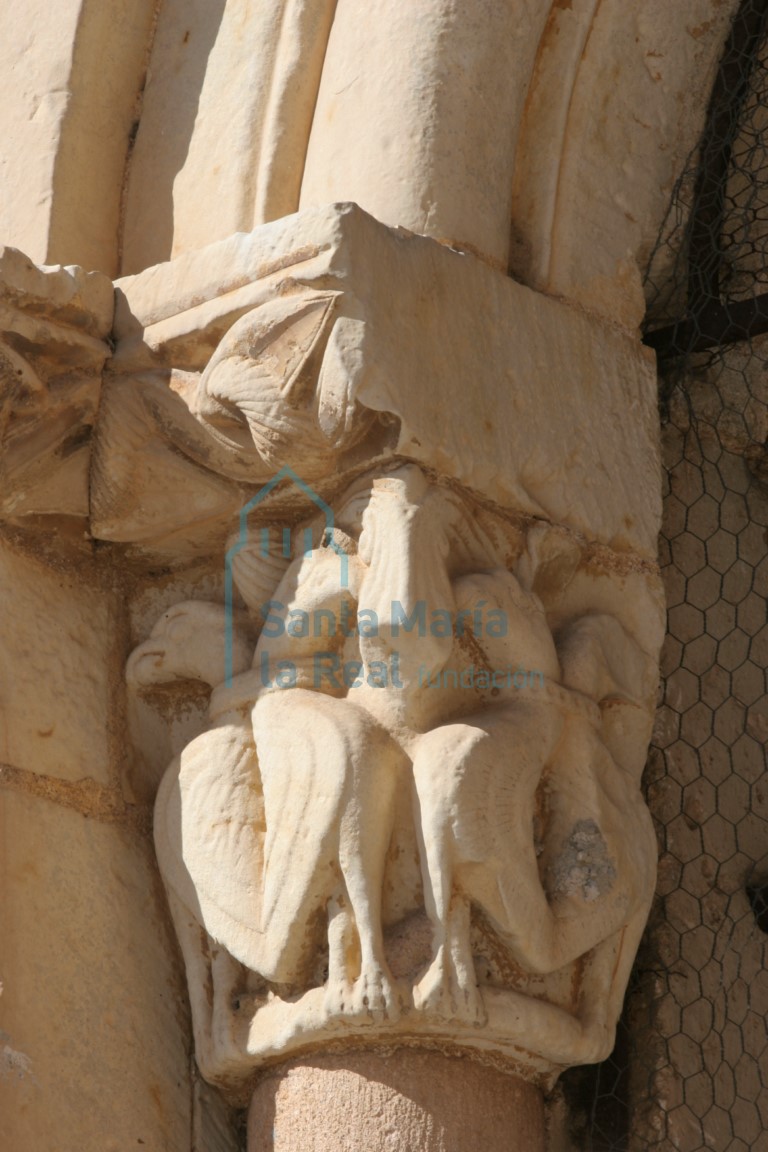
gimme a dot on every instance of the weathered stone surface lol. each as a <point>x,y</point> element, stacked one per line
<point>91,995</point>
<point>225,120</point>
<point>213,1129</point>
<point>70,79</point>
<point>597,159</point>
<point>71,296</point>
<point>409,85</point>
<point>161,724</point>
<point>55,696</point>
<point>388,1103</point>
<point>544,391</point>
<point>374,363</point>
<point>53,328</point>
<point>252,110</point>
<point>35,107</point>
<point>323,846</point>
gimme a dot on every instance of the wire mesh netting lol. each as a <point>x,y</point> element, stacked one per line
<point>690,1068</point>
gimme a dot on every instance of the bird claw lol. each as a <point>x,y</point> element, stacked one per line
<point>373,995</point>
<point>444,993</point>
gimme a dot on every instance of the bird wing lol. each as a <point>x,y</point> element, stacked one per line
<point>209,835</point>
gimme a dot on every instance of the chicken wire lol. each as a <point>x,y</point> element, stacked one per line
<point>690,1068</point>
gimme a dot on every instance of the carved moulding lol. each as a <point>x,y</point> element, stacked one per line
<point>414,813</point>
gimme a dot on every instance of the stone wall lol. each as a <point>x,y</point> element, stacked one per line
<point>95,1032</point>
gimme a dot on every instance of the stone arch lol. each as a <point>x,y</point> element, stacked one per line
<point>616,103</point>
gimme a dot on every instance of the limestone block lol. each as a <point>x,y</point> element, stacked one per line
<point>70,78</point>
<point>91,992</point>
<point>547,395</point>
<point>55,697</point>
<point>253,109</point>
<point>429,833</point>
<point>53,328</point>
<point>109,63</point>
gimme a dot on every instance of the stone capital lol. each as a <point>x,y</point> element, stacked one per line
<point>413,814</point>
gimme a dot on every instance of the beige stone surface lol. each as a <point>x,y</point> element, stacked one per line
<point>56,701</point>
<point>544,391</point>
<point>616,101</point>
<point>244,103</point>
<point>247,103</point>
<point>70,78</point>
<point>71,295</point>
<point>616,105</point>
<point>323,847</point>
<point>395,1102</point>
<point>35,77</point>
<point>431,93</point>
<point>91,991</point>
<point>225,120</point>
<point>53,328</point>
<point>159,726</point>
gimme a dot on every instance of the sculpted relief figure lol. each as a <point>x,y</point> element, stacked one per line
<point>416,804</point>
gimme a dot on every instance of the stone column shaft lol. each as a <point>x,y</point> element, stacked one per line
<point>406,1101</point>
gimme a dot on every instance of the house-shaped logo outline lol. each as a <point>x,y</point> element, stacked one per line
<point>285,473</point>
